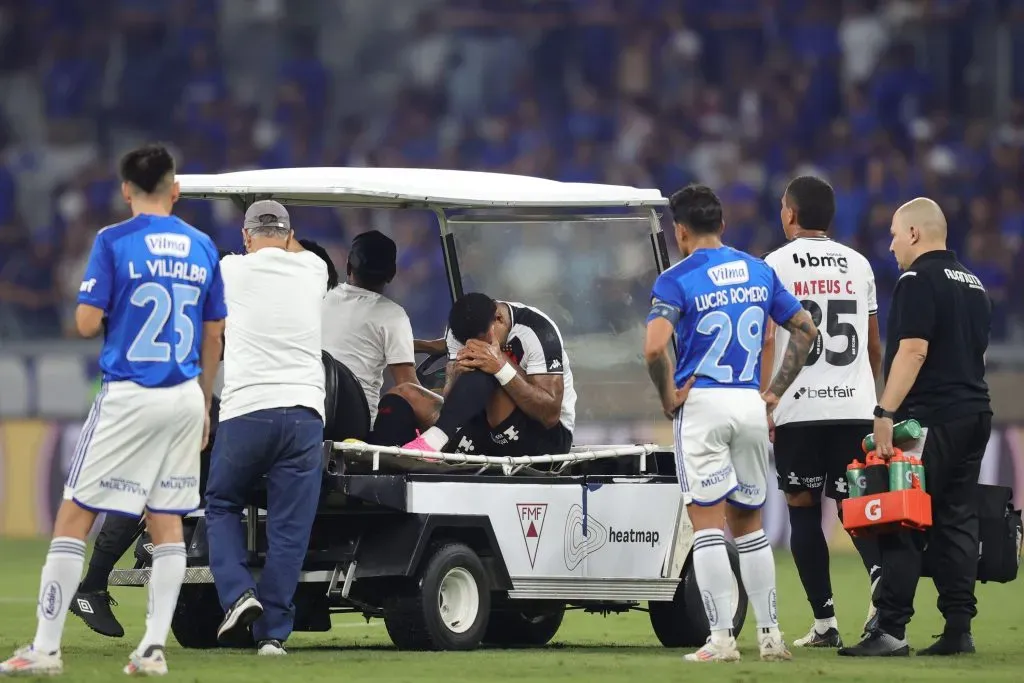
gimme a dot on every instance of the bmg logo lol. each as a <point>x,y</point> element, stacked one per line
<point>826,261</point>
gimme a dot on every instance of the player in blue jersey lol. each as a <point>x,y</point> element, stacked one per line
<point>716,302</point>
<point>153,288</point>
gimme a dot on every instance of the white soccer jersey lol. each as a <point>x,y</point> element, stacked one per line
<point>367,332</point>
<point>535,342</point>
<point>836,286</point>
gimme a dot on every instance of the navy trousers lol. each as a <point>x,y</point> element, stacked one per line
<point>285,444</point>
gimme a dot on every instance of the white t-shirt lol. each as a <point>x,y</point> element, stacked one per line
<point>367,332</point>
<point>836,285</point>
<point>272,337</point>
<point>536,344</point>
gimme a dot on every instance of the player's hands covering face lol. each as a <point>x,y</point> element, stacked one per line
<point>479,355</point>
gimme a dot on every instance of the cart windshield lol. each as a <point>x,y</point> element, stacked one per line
<point>592,276</point>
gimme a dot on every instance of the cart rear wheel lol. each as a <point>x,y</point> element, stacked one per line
<point>683,622</point>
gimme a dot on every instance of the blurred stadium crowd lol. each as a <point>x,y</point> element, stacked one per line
<point>888,99</point>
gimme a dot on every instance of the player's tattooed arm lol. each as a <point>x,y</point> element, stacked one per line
<point>802,333</point>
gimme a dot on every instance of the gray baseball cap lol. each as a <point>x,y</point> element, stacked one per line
<point>266,214</point>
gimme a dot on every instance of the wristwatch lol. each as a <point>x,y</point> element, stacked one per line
<point>882,412</point>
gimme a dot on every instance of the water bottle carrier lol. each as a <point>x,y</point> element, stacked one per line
<point>886,512</point>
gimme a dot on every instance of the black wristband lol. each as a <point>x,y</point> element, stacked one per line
<point>882,412</point>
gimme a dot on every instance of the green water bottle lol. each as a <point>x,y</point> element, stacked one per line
<point>902,432</point>
<point>899,472</point>
<point>855,479</point>
<point>917,468</point>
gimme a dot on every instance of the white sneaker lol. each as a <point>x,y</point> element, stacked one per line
<point>149,663</point>
<point>716,651</point>
<point>270,648</point>
<point>773,647</point>
<point>29,662</point>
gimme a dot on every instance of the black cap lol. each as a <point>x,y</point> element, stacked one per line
<point>373,253</point>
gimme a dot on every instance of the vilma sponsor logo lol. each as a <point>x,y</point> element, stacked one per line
<point>731,273</point>
<point>834,391</point>
<point>531,519</point>
<point>51,602</point>
<point>826,261</point>
<point>169,244</point>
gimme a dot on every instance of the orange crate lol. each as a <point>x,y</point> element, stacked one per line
<point>886,512</point>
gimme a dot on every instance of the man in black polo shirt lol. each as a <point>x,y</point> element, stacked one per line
<point>938,331</point>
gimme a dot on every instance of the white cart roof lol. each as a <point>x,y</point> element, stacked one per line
<point>403,187</point>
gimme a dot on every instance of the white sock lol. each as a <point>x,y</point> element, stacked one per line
<point>164,586</point>
<point>714,578</point>
<point>435,437</point>
<point>823,625</point>
<point>757,567</point>
<point>57,586</point>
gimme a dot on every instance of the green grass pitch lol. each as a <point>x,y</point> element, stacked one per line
<point>588,649</point>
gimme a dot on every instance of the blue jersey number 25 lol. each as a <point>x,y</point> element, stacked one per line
<point>146,347</point>
<point>749,333</point>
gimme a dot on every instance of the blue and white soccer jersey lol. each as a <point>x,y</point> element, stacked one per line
<point>157,279</point>
<point>719,300</point>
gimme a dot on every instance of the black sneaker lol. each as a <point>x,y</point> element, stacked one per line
<point>950,644</point>
<point>877,644</point>
<point>246,610</point>
<point>94,609</point>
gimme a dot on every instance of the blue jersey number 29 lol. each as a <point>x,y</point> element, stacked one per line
<point>146,347</point>
<point>749,333</point>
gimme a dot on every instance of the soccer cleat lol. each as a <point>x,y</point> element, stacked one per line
<point>246,610</point>
<point>949,644</point>
<point>28,662</point>
<point>270,648</point>
<point>878,643</point>
<point>420,444</point>
<point>94,610</point>
<point>830,638</point>
<point>772,646</point>
<point>149,663</point>
<point>715,651</point>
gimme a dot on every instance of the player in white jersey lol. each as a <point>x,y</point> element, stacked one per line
<point>509,388</point>
<point>368,333</point>
<point>820,421</point>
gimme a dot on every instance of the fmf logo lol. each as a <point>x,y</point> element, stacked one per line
<point>531,519</point>
<point>826,261</point>
<point>873,509</point>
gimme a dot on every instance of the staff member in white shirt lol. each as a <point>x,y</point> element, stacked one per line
<point>369,332</point>
<point>271,423</point>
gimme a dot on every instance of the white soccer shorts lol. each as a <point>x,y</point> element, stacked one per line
<point>139,449</point>
<point>721,447</point>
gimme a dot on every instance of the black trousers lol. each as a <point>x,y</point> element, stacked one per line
<point>952,456</point>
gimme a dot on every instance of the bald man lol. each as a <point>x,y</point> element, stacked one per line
<point>934,370</point>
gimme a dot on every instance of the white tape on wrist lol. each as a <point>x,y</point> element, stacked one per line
<point>506,374</point>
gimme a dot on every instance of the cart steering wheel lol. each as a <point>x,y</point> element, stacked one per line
<point>430,373</point>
